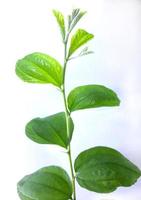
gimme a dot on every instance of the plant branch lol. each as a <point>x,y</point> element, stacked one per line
<point>67,114</point>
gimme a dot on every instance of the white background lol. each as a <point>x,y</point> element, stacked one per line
<point>27,26</point>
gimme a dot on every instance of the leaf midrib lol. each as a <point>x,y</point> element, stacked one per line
<point>42,69</point>
<point>56,133</point>
<point>123,166</point>
<point>52,188</point>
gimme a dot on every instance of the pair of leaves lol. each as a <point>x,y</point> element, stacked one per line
<point>41,68</point>
<point>53,129</point>
<point>103,169</point>
<point>50,130</point>
<point>73,19</point>
<point>48,183</point>
<point>100,169</point>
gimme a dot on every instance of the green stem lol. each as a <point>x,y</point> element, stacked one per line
<point>72,172</point>
<point>67,114</point>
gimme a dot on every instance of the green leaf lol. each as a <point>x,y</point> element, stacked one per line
<point>50,130</point>
<point>48,183</point>
<point>61,22</point>
<point>74,18</point>
<point>40,68</point>
<point>84,52</point>
<point>91,96</point>
<point>78,39</point>
<point>103,169</point>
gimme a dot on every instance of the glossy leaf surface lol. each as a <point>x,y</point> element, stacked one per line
<point>91,96</point>
<point>103,169</point>
<point>80,38</point>
<point>39,68</point>
<point>50,130</point>
<point>48,183</point>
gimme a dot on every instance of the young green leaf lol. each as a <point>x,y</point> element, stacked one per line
<point>61,22</point>
<point>75,13</point>
<point>103,170</point>
<point>84,52</point>
<point>74,18</point>
<point>78,39</point>
<point>50,130</point>
<point>48,183</point>
<point>40,68</point>
<point>91,96</point>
